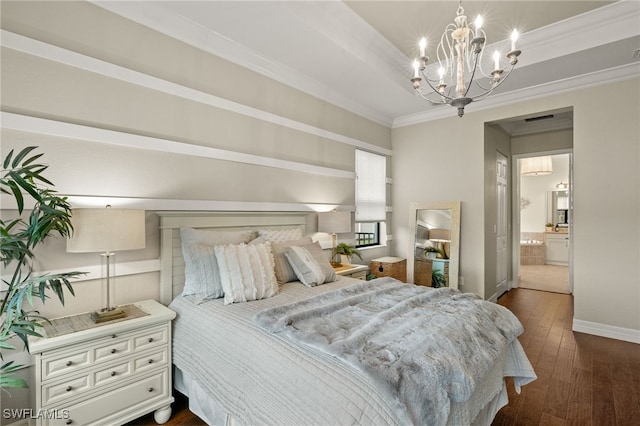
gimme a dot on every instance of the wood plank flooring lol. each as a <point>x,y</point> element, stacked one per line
<point>582,379</point>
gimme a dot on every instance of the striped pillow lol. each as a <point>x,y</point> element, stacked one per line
<point>246,272</point>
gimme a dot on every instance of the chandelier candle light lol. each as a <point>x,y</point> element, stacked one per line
<point>459,55</point>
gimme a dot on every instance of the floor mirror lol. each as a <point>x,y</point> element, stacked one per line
<point>434,244</point>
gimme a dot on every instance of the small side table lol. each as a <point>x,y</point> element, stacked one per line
<point>354,271</point>
<point>388,266</point>
<point>107,373</point>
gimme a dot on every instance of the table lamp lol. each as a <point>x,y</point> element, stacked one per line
<point>106,231</point>
<point>334,222</point>
<point>440,236</point>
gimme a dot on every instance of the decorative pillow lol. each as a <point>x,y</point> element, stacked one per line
<point>310,265</point>
<point>200,268</point>
<point>284,272</point>
<point>280,235</point>
<point>246,272</point>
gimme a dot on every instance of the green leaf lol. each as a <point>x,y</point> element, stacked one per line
<point>7,160</point>
<point>21,155</point>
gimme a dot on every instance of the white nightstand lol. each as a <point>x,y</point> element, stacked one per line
<point>103,374</point>
<point>354,271</point>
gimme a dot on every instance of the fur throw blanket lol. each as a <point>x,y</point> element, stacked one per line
<point>427,347</point>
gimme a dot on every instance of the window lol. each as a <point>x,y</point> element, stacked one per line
<point>371,197</point>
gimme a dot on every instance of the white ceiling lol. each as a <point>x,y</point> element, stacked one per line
<point>358,54</point>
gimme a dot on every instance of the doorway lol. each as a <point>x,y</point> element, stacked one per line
<point>544,222</point>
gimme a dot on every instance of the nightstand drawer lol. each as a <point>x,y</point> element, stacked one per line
<point>154,337</point>
<point>112,350</point>
<point>112,374</point>
<point>69,388</point>
<point>93,411</point>
<point>152,360</point>
<point>57,365</point>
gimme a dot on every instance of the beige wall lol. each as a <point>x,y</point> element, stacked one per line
<point>157,122</point>
<point>606,194</point>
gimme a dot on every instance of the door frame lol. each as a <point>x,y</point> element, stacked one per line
<point>515,212</point>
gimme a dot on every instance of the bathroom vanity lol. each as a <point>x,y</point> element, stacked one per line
<point>557,244</point>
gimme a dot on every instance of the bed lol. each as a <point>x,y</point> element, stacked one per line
<point>247,363</point>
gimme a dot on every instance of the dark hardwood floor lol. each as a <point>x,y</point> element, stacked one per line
<point>582,379</point>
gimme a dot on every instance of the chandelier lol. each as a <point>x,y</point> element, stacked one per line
<point>459,55</point>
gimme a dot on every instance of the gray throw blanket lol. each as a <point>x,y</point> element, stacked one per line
<point>427,347</point>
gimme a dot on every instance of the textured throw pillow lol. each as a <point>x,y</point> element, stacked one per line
<point>310,265</point>
<point>246,272</point>
<point>280,235</point>
<point>200,268</point>
<point>284,272</point>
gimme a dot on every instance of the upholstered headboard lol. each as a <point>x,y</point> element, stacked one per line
<point>171,259</point>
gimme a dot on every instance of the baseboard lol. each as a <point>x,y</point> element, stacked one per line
<point>604,330</point>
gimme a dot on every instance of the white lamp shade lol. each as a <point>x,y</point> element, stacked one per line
<point>106,230</point>
<point>334,222</point>
<point>439,235</point>
<point>536,166</point>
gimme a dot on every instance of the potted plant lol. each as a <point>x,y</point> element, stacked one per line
<point>549,227</point>
<point>346,251</point>
<point>22,176</point>
<point>437,279</point>
<point>433,252</point>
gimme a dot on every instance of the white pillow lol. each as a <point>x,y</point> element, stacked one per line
<point>284,272</point>
<point>246,272</point>
<point>310,265</point>
<point>200,268</point>
<point>280,235</point>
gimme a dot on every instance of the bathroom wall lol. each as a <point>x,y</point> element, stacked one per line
<point>533,194</point>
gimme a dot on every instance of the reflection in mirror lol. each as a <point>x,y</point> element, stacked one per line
<point>558,208</point>
<point>434,237</point>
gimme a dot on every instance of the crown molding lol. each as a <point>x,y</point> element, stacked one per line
<point>621,73</point>
<point>607,24</point>
<point>183,29</point>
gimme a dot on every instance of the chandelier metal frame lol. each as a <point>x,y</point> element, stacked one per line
<point>460,55</point>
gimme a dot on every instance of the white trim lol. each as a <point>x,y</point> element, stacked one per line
<point>54,53</point>
<point>110,137</point>
<point>355,36</point>
<point>621,73</point>
<point>94,272</point>
<point>604,330</point>
<point>165,204</point>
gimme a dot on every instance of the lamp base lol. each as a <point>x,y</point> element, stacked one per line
<point>107,315</point>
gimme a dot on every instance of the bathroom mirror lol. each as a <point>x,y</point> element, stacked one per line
<point>558,207</point>
<point>434,239</point>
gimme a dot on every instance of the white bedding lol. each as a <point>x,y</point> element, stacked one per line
<point>260,378</point>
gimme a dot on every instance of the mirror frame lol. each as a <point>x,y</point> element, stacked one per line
<point>454,245</point>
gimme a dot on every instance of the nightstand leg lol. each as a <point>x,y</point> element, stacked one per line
<point>161,415</point>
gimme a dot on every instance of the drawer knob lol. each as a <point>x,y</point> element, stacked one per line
<point>113,336</point>
<point>69,421</point>
<point>113,351</point>
<point>69,388</point>
<point>113,373</point>
<point>150,339</point>
<point>69,363</point>
<point>150,361</point>
<point>150,389</point>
